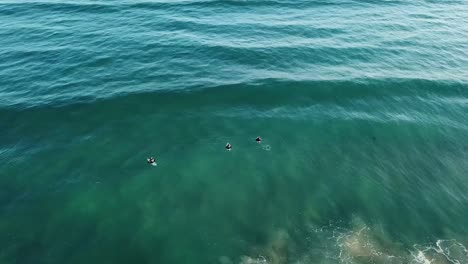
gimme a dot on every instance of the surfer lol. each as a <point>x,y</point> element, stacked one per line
<point>151,160</point>
<point>228,147</point>
<point>258,139</point>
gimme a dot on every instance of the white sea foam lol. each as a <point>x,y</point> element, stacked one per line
<point>356,245</point>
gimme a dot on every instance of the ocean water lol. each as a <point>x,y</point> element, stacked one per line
<point>362,107</point>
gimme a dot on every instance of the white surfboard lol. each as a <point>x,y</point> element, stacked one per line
<point>152,164</point>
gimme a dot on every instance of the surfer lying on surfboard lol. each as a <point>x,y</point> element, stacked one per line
<point>151,160</point>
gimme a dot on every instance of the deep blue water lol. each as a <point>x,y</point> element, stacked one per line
<point>362,107</point>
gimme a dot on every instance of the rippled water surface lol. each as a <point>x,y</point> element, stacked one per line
<point>362,107</point>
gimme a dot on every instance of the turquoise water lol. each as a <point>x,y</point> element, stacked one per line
<point>362,107</point>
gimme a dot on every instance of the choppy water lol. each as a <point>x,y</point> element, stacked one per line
<point>362,105</point>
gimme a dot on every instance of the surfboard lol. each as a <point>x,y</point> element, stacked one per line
<point>152,164</point>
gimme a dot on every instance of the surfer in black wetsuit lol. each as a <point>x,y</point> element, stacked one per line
<point>151,160</point>
<point>258,139</point>
<point>228,147</point>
